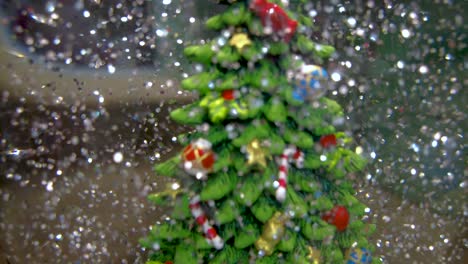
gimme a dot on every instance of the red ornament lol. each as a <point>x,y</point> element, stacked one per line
<point>228,95</point>
<point>328,141</point>
<point>338,216</point>
<point>198,158</point>
<point>168,262</point>
<point>274,19</point>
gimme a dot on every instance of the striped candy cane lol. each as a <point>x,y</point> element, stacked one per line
<point>211,235</point>
<point>298,157</point>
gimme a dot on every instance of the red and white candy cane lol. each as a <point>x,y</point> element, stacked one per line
<point>298,158</point>
<point>210,233</point>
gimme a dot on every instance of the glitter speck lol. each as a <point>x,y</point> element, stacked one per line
<point>118,157</point>
<point>351,22</point>
<point>50,186</point>
<point>423,69</point>
<point>400,64</point>
<point>336,77</point>
<point>111,69</point>
<point>405,33</point>
<point>86,13</point>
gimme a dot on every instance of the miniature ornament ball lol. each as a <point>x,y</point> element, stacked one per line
<point>358,256</point>
<point>328,141</point>
<point>338,216</point>
<point>309,82</point>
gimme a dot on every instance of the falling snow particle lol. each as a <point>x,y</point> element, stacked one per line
<point>118,157</point>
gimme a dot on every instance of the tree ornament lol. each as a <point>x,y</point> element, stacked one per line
<point>298,158</point>
<point>255,154</point>
<point>358,256</point>
<point>309,82</point>
<point>313,255</point>
<point>337,216</point>
<point>273,232</point>
<point>328,141</point>
<point>240,40</point>
<point>198,158</point>
<point>172,190</point>
<point>274,19</point>
<point>211,235</point>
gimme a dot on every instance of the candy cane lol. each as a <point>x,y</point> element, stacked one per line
<point>211,235</point>
<point>298,157</point>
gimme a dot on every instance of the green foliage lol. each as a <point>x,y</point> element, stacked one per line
<point>249,191</point>
<point>169,167</point>
<point>200,53</point>
<point>228,231</point>
<point>230,255</point>
<point>200,82</point>
<point>223,159</point>
<point>247,236</point>
<point>316,232</point>
<point>324,51</point>
<point>147,242</point>
<point>200,242</point>
<point>268,260</point>
<point>216,134</point>
<point>191,114</point>
<point>305,45</point>
<point>218,186</point>
<point>169,231</point>
<point>278,48</point>
<point>323,203</point>
<point>228,81</point>
<point>181,209</point>
<point>235,15</point>
<point>226,55</point>
<point>301,139</point>
<point>324,130</point>
<point>227,212</point>
<point>252,131</point>
<point>303,182</point>
<point>296,203</point>
<point>353,162</point>
<point>277,144</point>
<point>263,209</point>
<point>254,104</point>
<point>288,242</point>
<point>251,52</point>
<point>185,254</point>
<point>332,106</point>
<point>312,161</point>
<point>275,110</point>
<point>215,22</point>
<point>265,77</point>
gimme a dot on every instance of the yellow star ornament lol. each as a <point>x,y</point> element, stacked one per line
<point>314,255</point>
<point>240,40</point>
<point>255,153</point>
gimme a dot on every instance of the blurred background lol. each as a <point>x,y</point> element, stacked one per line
<point>86,87</point>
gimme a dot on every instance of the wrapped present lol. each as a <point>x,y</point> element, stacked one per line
<point>198,158</point>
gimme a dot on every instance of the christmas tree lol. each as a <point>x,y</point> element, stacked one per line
<point>263,178</point>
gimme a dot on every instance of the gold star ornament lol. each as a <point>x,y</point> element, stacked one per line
<point>171,190</point>
<point>313,255</point>
<point>240,40</point>
<point>255,153</point>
